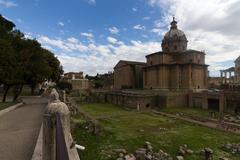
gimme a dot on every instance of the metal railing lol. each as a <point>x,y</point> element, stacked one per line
<point>61,147</point>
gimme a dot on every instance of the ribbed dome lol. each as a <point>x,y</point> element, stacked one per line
<point>175,33</point>
<point>174,40</point>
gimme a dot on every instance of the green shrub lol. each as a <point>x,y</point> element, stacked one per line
<point>64,85</point>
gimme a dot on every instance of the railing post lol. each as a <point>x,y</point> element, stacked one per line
<point>64,96</point>
<point>55,106</point>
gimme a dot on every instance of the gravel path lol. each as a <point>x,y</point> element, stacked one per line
<point>19,130</point>
<point>209,124</point>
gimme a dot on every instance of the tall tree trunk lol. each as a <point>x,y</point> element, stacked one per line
<point>18,92</point>
<point>6,89</point>
<point>32,90</point>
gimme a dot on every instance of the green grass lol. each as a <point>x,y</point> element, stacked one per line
<point>6,104</point>
<point>102,109</point>
<point>121,130</point>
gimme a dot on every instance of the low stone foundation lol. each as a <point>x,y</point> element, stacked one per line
<point>141,100</point>
<point>146,99</point>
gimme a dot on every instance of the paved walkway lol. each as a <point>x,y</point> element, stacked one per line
<point>19,130</point>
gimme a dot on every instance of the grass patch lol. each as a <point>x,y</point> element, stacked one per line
<point>122,130</point>
<point>6,104</point>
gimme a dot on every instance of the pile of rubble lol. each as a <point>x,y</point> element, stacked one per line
<point>184,150</point>
<point>231,118</point>
<point>145,153</point>
<point>207,153</point>
<point>234,148</point>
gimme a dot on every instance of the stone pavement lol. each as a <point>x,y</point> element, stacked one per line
<point>19,130</point>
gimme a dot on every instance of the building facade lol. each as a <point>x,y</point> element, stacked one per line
<point>231,76</point>
<point>77,80</point>
<point>73,75</point>
<point>175,67</point>
<point>237,70</point>
<point>128,74</point>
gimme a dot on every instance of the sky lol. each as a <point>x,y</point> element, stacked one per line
<point>93,35</point>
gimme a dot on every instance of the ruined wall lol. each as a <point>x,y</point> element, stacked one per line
<point>124,77</point>
<point>143,101</point>
<point>79,84</point>
<point>180,100</point>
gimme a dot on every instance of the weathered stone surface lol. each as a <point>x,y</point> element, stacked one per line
<point>55,106</point>
<point>208,153</point>
<point>179,158</point>
<point>124,151</point>
<point>184,150</point>
<point>234,148</point>
<point>130,157</point>
<point>223,158</point>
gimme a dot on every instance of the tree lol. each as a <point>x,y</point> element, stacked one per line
<point>64,85</point>
<point>24,61</point>
<point>7,59</point>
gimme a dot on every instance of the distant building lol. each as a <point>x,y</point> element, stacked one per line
<point>214,82</point>
<point>128,74</point>
<point>73,75</point>
<point>77,80</point>
<point>173,68</point>
<point>231,76</point>
<point>237,70</point>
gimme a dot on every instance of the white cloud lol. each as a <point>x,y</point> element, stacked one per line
<point>146,18</point>
<point>72,40</point>
<point>134,9</point>
<point>112,40</point>
<point>113,30</point>
<point>7,4</point>
<point>139,27</point>
<point>88,35</point>
<point>96,58</point>
<point>55,43</point>
<point>28,35</point>
<point>91,1</point>
<point>212,26</point>
<point>60,24</point>
<point>19,20</point>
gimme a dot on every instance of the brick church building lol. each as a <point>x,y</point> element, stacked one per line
<point>174,68</point>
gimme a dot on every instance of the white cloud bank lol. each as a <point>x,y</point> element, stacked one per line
<point>95,58</point>
<point>91,1</point>
<point>113,30</point>
<point>210,25</point>
<point>7,4</point>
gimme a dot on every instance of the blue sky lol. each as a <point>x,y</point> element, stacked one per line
<point>92,35</point>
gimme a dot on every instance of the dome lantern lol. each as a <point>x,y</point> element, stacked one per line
<point>174,40</point>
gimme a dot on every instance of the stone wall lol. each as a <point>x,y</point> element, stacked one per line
<point>128,75</point>
<point>79,84</point>
<point>227,102</point>
<point>140,100</point>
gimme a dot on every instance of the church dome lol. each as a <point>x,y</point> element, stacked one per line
<point>173,33</point>
<point>174,40</point>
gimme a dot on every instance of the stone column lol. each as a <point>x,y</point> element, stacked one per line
<point>225,77</point>
<point>190,76</point>
<point>204,100</point>
<point>221,101</point>
<point>55,106</point>
<point>64,96</point>
<point>190,100</point>
<point>230,77</point>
